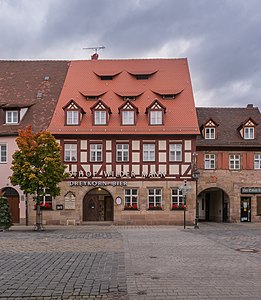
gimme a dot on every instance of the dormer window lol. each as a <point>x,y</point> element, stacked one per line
<point>142,74</point>
<point>168,94</point>
<point>209,130</point>
<point>12,117</point>
<point>128,112</point>
<point>155,112</point>
<point>101,113</point>
<point>210,133</point>
<point>247,129</point>
<point>249,133</point>
<point>73,113</point>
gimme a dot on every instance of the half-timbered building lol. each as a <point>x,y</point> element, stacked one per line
<point>229,159</point>
<point>128,132</point>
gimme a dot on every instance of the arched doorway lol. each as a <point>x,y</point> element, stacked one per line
<point>214,205</point>
<point>98,205</point>
<point>13,200</point>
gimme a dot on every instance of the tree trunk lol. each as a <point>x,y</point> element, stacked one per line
<point>38,223</point>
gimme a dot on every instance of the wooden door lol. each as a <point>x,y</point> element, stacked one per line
<point>108,205</point>
<point>13,202</point>
<point>91,208</point>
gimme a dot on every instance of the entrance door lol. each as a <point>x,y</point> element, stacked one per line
<point>91,208</point>
<point>13,201</point>
<point>245,209</point>
<point>108,214</point>
<point>207,205</point>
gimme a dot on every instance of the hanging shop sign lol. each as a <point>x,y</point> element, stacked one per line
<point>251,190</point>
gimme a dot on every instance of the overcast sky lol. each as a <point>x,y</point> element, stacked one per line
<point>220,38</point>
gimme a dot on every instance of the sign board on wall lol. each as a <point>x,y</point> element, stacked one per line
<point>69,200</point>
<point>251,190</point>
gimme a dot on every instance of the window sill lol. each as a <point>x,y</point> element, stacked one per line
<point>129,208</point>
<point>155,208</point>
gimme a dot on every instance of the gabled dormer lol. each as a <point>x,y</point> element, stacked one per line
<point>155,113</point>
<point>128,113</point>
<point>73,113</point>
<point>13,115</point>
<point>209,130</point>
<point>247,129</point>
<point>100,112</point>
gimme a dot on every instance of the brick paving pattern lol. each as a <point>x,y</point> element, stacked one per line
<point>218,261</point>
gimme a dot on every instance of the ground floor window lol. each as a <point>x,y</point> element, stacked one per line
<point>258,207</point>
<point>177,200</point>
<point>46,201</point>
<point>131,199</point>
<point>155,198</point>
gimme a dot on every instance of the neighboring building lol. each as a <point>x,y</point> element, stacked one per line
<point>229,159</point>
<point>28,94</point>
<point>128,132</point>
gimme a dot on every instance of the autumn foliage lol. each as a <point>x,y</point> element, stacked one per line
<point>37,165</point>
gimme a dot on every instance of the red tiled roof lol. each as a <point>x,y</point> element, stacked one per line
<point>171,75</point>
<point>20,82</point>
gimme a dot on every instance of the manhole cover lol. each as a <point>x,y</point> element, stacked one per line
<point>250,250</point>
<point>141,293</point>
<point>153,257</point>
<point>138,274</point>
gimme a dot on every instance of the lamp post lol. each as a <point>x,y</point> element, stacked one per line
<point>195,175</point>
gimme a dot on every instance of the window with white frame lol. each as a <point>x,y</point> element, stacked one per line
<point>70,152</point>
<point>3,153</point>
<point>156,117</point>
<point>155,198</point>
<point>100,117</point>
<point>210,133</point>
<point>209,161</point>
<point>72,117</point>
<point>96,152</point>
<point>249,133</point>
<point>149,152</point>
<point>131,198</point>
<point>177,200</point>
<point>257,161</point>
<point>175,152</point>
<point>122,152</point>
<point>234,162</point>
<point>128,117</point>
<point>12,117</point>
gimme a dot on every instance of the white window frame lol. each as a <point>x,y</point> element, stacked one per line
<point>12,116</point>
<point>155,197</point>
<point>234,161</point>
<point>3,153</point>
<point>149,152</point>
<point>70,152</point>
<point>96,152</point>
<point>72,117</point>
<point>100,117</point>
<point>130,197</point>
<point>210,133</point>
<point>156,117</point>
<point>257,161</point>
<point>122,152</point>
<point>128,117</point>
<point>249,133</point>
<point>175,152</point>
<point>177,197</point>
<point>210,161</point>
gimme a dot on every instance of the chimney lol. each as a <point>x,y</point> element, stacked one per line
<point>95,56</point>
<point>250,105</point>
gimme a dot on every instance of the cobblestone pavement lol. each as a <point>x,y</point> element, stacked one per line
<point>217,261</point>
<point>62,263</point>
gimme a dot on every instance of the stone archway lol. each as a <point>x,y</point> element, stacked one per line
<point>214,205</point>
<point>98,206</point>
<point>13,200</point>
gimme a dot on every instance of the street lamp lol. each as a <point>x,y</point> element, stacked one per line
<point>195,175</point>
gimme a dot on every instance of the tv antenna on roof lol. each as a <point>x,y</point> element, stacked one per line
<point>96,49</point>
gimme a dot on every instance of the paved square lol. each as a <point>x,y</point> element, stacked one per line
<point>218,261</point>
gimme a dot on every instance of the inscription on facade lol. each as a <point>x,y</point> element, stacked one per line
<point>98,183</point>
<point>69,200</point>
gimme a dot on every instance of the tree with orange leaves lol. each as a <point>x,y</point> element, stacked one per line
<point>37,166</point>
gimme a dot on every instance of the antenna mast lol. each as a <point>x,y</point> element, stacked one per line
<point>96,49</point>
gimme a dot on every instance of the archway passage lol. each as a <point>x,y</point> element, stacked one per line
<point>13,200</point>
<point>98,206</point>
<point>214,205</point>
